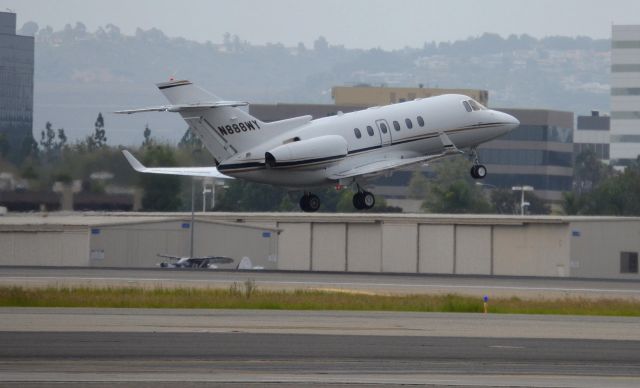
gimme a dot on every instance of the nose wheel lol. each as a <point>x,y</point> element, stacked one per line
<point>478,171</point>
<point>309,202</point>
<point>363,200</point>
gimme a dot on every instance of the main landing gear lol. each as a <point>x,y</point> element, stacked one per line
<point>363,199</point>
<point>478,171</point>
<point>309,202</point>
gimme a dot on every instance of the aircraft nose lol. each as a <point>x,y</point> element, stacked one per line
<point>511,122</point>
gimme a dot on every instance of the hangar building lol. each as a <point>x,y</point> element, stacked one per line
<point>596,247</point>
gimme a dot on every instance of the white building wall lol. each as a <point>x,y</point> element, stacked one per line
<point>329,251</point>
<point>45,248</point>
<point>596,247</point>
<point>531,250</point>
<point>399,247</point>
<point>364,247</point>
<point>473,250</point>
<point>437,249</point>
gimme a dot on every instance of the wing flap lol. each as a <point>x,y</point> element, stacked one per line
<point>207,172</point>
<point>385,165</point>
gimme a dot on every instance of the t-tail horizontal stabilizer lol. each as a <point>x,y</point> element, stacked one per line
<point>207,172</point>
<point>185,107</point>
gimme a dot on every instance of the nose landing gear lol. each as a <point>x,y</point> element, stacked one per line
<point>478,171</point>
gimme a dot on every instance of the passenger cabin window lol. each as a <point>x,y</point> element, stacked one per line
<point>467,106</point>
<point>396,125</point>
<point>356,131</point>
<point>409,123</point>
<point>369,130</point>
<point>420,121</point>
<point>383,127</point>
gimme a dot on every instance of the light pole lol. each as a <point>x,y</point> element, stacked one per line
<point>522,189</point>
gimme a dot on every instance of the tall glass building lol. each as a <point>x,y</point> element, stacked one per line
<point>538,153</point>
<point>16,83</point>
<point>625,94</point>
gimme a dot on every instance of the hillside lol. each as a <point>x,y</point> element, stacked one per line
<point>80,73</point>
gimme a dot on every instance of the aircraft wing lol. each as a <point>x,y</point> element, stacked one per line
<point>218,259</point>
<point>169,256</point>
<point>184,107</point>
<point>209,172</point>
<point>381,166</point>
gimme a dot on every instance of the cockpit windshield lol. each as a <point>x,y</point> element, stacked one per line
<point>476,105</point>
<point>472,105</point>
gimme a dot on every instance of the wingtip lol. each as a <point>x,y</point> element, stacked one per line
<point>133,161</point>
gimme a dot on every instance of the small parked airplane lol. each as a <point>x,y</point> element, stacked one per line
<point>342,150</point>
<point>205,262</point>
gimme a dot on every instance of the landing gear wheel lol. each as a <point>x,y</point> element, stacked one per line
<point>309,203</point>
<point>358,201</point>
<point>363,200</point>
<point>368,199</point>
<point>313,203</point>
<point>478,171</point>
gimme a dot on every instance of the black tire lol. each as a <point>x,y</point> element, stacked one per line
<point>313,203</point>
<point>358,201</point>
<point>304,203</point>
<point>473,172</point>
<point>368,200</point>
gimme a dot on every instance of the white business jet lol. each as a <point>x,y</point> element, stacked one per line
<point>342,150</point>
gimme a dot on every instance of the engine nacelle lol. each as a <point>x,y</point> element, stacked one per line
<point>302,152</point>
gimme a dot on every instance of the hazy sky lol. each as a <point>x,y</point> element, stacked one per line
<point>355,23</point>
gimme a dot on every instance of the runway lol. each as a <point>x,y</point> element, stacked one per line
<point>249,348</point>
<point>525,287</point>
<point>135,347</point>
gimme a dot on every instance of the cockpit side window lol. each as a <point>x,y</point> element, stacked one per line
<point>467,106</point>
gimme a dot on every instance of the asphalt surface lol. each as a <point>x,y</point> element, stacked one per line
<point>245,348</point>
<point>526,287</point>
<point>314,359</point>
<point>134,347</point>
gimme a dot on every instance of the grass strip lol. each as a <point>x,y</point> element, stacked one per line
<point>248,297</point>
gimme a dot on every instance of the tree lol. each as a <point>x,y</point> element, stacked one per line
<point>589,171</point>
<point>51,144</point>
<point>98,139</point>
<point>453,190</point>
<point>618,194</point>
<point>148,141</point>
<point>161,192</point>
<point>507,201</point>
<point>190,140</point>
<point>418,185</point>
<point>47,139</point>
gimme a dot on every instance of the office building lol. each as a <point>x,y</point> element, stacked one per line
<point>538,153</point>
<point>592,133</point>
<point>16,82</point>
<point>366,96</point>
<point>625,94</point>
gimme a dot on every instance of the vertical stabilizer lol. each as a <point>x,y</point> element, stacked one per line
<point>224,130</point>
